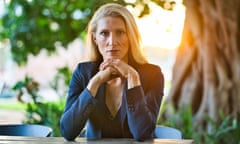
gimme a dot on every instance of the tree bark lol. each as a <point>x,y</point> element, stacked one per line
<point>206,73</point>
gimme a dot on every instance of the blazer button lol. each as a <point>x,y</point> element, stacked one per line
<point>130,108</point>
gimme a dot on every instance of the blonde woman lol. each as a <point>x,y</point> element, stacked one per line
<point>117,93</point>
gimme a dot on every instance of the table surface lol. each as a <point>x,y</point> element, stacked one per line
<point>61,140</point>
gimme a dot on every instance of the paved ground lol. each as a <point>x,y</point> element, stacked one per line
<point>11,117</point>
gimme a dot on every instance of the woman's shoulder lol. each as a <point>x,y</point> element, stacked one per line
<point>149,67</point>
<point>87,66</point>
<point>150,71</point>
<point>151,76</point>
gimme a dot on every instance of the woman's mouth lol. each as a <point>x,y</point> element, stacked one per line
<point>112,51</point>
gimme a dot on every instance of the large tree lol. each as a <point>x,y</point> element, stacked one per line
<point>206,73</point>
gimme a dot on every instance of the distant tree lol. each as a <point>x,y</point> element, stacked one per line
<point>32,25</point>
<point>206,73</point>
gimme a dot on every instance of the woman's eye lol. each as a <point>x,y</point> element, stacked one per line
<point>120,32</point>
<point>104,33</point>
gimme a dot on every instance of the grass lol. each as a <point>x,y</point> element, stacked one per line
<point>11,105</point>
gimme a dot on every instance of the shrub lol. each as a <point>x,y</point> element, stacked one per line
<point>226,131</point>
<point>38,111</point>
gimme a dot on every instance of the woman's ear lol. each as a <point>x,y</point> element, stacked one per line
<point>94,37</point>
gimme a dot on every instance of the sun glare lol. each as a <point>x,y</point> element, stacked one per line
<point>161,32</point>
<point>162,28</point>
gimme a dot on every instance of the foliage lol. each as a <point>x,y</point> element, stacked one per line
<point>38,111</point>
<point>61,79</point>
<point>32,25</point>
<point>28,85</point>
<point>47,113</point>
<point>226,131</point>
<point>36,24</point>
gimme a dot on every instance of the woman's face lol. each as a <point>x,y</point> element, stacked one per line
<point>111,38</point>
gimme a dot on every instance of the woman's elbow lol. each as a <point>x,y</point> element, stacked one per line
<point>66,131</point>
<point>141,136</point>
<point>66,134</point>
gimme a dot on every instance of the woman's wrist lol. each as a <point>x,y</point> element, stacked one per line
<point>133,79</point>
<point>93,86</point>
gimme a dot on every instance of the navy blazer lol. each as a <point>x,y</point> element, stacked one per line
<point>140,105</point>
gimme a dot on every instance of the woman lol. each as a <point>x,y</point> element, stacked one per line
<point>117,94</point>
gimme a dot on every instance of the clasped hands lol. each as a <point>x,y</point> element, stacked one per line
<point>113,68</point>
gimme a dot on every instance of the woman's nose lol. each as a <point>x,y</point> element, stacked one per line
<point>112,39</point>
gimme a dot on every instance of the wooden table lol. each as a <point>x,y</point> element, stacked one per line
<point>61,140</point>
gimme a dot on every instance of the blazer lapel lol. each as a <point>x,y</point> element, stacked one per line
<point>100,110</point>
<point>124,104</point>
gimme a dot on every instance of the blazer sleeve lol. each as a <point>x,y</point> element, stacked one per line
<point>143,103</point>
<point>80,103</point>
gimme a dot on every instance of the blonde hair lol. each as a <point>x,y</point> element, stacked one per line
<point>116,10</point>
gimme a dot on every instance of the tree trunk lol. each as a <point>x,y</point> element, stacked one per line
<point>206,73</point>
